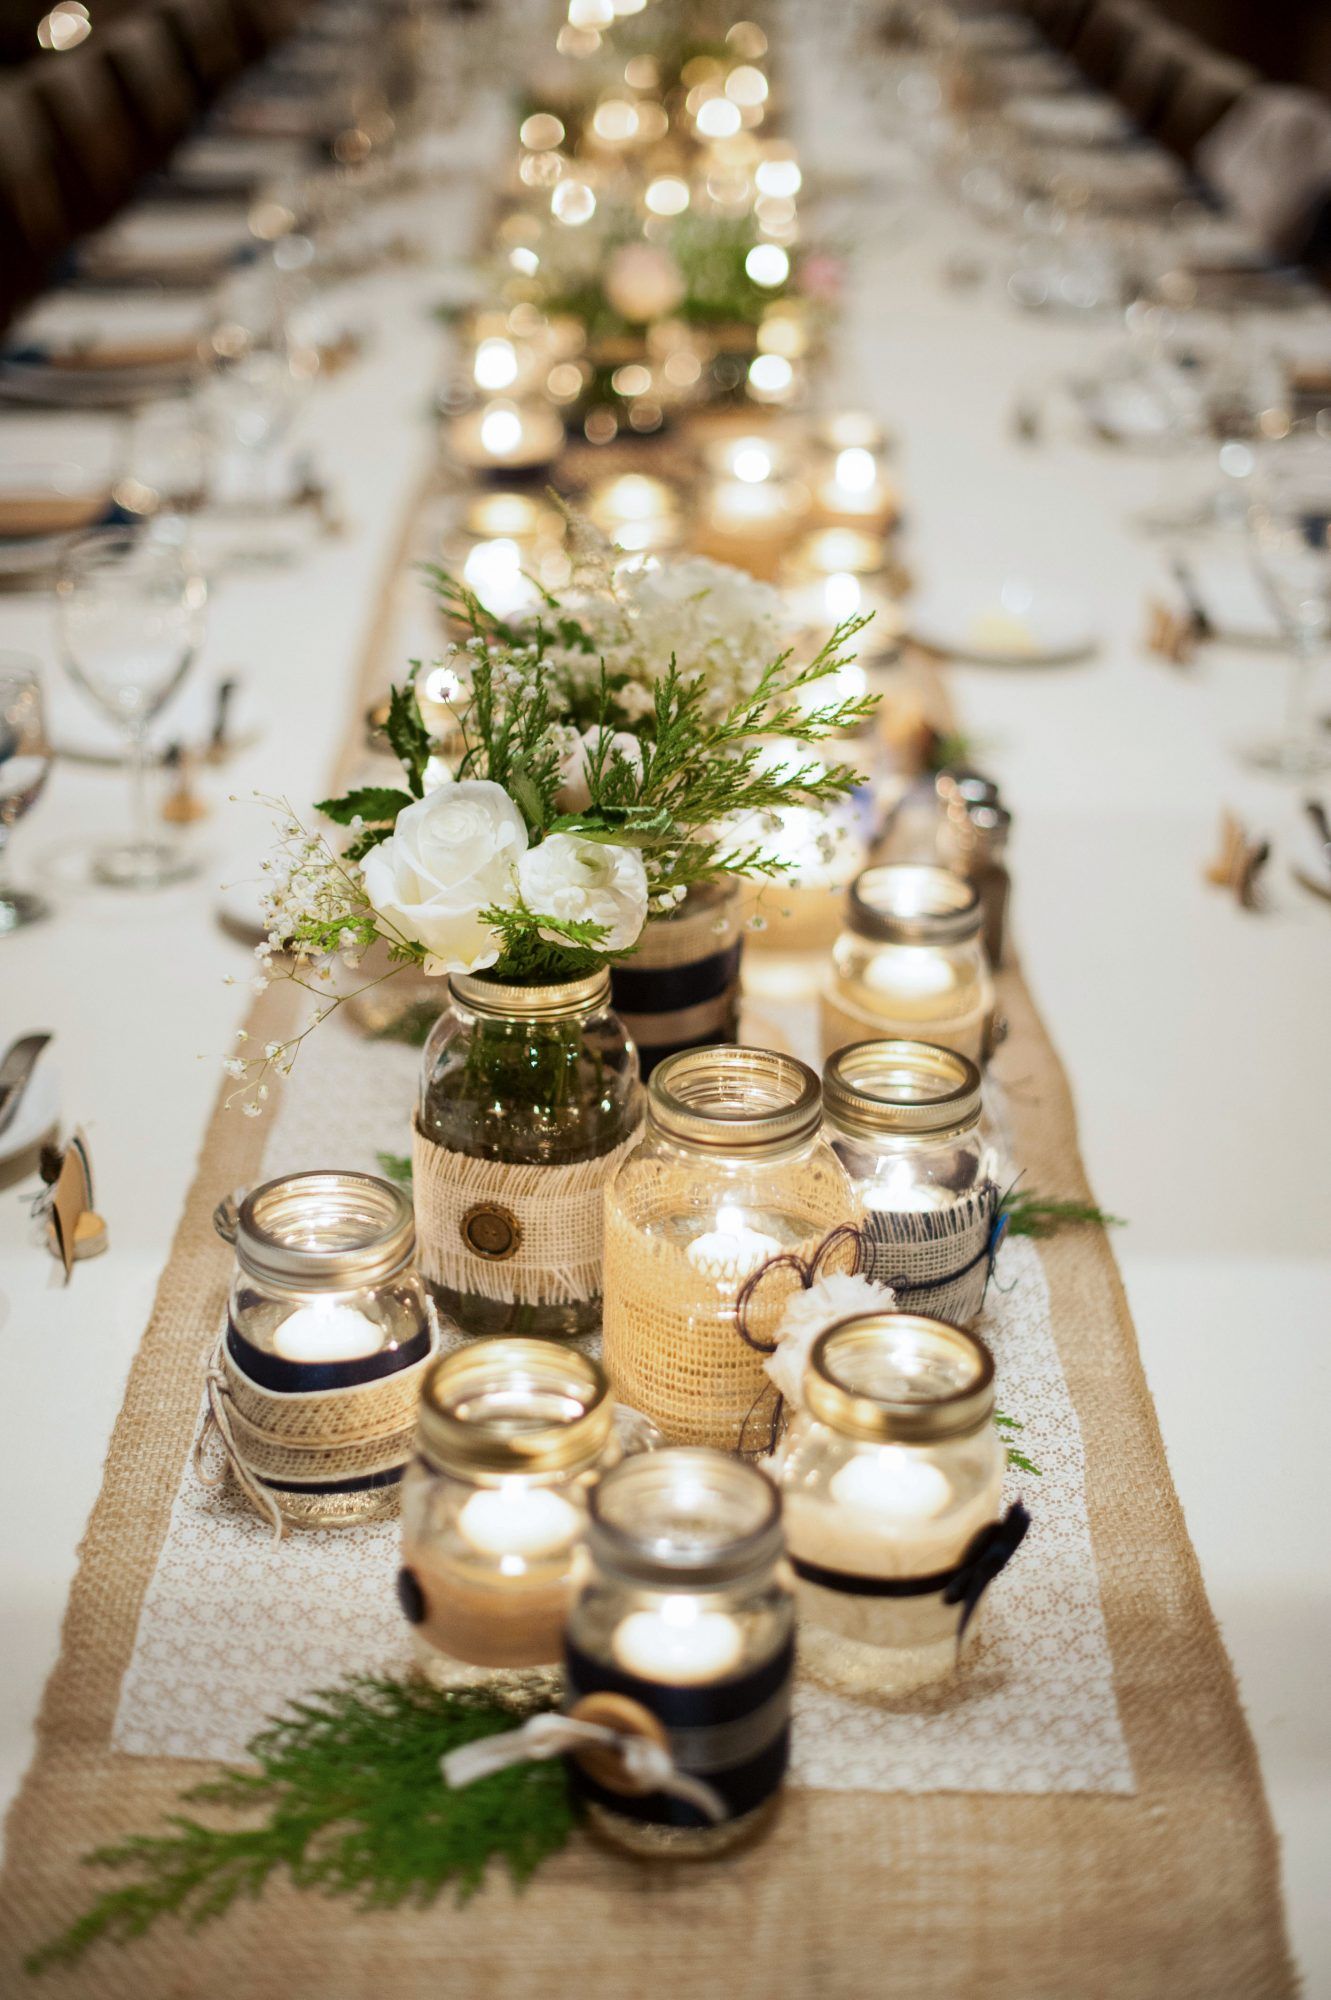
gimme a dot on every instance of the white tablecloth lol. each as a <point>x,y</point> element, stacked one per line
<point>1196,1035</point>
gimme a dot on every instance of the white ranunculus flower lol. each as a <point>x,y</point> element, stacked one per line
<point>838,1296</point>
<point>582,881</point>
<point>574,794</point>
<point>451,855</point>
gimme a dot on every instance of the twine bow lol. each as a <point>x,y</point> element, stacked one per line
<point>646,1764</point>
<point>808,1270</point>
<point>217,1417</point>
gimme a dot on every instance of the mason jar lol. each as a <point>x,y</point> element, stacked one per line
<point>904,1120</point>
<point>327,1336</point>
<point>889,1474</point>
<point>909,963</point>
<point>731,1170</point>
<point>528,1094</point>
<point>512,1434</point>
<point>684,1631</point>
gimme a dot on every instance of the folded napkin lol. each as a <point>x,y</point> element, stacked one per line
<point>1270,157</point>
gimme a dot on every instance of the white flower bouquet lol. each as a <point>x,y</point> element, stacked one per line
<point>562,781</point>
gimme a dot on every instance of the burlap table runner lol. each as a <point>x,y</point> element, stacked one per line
<point>1173,1891</point>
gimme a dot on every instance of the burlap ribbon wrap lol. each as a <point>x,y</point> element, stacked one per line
<point>680,990</point>
<point>312,1455</point>
<point>936,1260</point>
<point>526,1234</point>
<point>671,1340</point>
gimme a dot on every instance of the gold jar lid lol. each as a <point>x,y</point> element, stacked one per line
<point>550,1002</point>
<point>912,902</point>
<point>899,1378</point>
<point>901,1087</point>
<point>513,1406</point>
<point>734,1099</point>
<point>325,1232</point>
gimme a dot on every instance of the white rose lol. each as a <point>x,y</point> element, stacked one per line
<point>451,855</point>
<point>574,794</point>
<point>586,881</point>
<point>436,773</point>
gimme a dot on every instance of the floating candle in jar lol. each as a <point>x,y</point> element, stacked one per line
<point>495,364</point>
<point>519,1521</point>
<point>893,1483</point>
<point>327,1332</point>
<point>910,972</point>
<point>494,572</point>
<point>636,511</point>
<point>751,461</point>
<point>680,1643</point>
<point>764,507</point>
<point>732,1250</point>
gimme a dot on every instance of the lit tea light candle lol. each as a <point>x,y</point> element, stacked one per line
<point>909,972</point>
<point>636,511</point>
<point>771,379</point>
<point>327,1332</point>
<point>494,572</point>
<point>680,1644</point>
<point>519,1522</point>
<point>515,516</point>
<point>732,1250</point>
<point>495,364</point>
<point>502,434</point>
<point>893,1484</point>
<point>751,461</point>
<point>752,507</point>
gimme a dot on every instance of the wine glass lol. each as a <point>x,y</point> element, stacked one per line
<point>25,759</point>
<point>130,610</point>
<point>1289,528</point>
<point>255,385</point>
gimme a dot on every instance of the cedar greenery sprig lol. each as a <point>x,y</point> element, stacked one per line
<point>1015,1456</point>
<point>353,1804</point>
<point>1030,1214</point>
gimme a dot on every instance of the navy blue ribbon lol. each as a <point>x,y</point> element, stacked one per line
<point>986,1556</point>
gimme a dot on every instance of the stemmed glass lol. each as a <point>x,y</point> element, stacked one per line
<point>130,611</point>
<point>256,384</point>
<point>1289,528</point>
<point>25,759</point>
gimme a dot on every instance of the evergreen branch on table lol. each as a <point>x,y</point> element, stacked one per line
<point>353,1804</point>
<point>1030,1214</point>
<point>395,1167</point>
<point>1016,1457</point>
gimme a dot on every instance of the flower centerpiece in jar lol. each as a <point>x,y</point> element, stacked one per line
<point>554,799</point>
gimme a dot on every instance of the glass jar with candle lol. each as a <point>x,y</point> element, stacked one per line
<point>731,1170</point>
<point>512,1434</point>
<point>684,1632</point>
<point>889,1474</point>
<point>528,1096</point>
<point>327,1337</point>
<point>904,1120</point>
<point>910,962</point>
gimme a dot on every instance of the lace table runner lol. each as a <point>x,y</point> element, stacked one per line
<point>234,1624</point>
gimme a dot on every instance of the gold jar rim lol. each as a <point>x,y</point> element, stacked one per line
<point>686,1515</point>
<point>549,1002</point>
<point>900,1086</point>
<point>838,1394</point>
<point>913,902</point>
<point>325,1230</point>
<point>735,1099</point>
<point>513,1406</point>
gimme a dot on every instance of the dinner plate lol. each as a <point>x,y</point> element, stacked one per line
<point>1008,621</point>
<point>1076,119</point>
<point>42,498</point>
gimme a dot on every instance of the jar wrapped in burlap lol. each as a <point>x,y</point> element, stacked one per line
<point>731,1171</point>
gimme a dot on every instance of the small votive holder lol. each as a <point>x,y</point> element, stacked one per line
<point>314,1386</point>
<point>892,1478</point>
<point>909,962</point>
<point>512,1435</point>
<point>683,1632</point>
